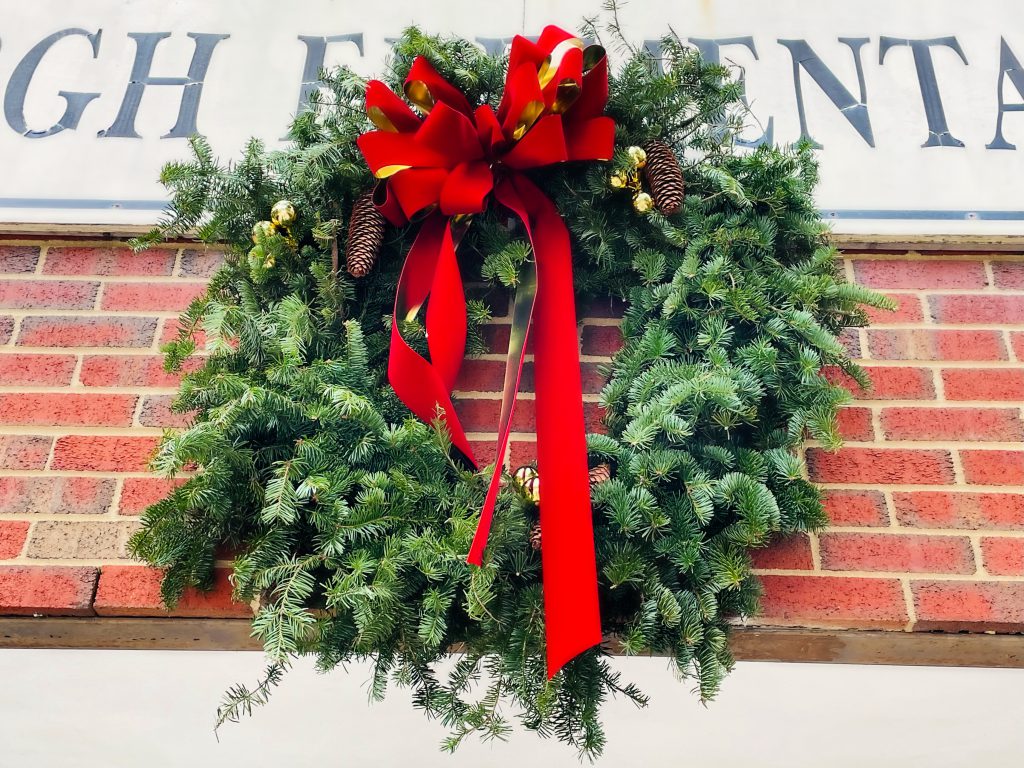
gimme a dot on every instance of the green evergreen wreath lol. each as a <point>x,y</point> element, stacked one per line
<point>347,518</point>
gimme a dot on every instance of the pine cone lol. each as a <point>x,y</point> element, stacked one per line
<point>365,236</point>
<point>535,537</point>
<point>600,474</point>
<point>664,176</point>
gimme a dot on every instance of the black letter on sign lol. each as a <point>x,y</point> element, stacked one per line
<point>17,88</point>
<point>938,130</point>
<point>494,46</point>
<point>1008,67</point>
<point>316,51</point>
<point>856,112</point>
<point>145,47</point>
<point>710,51</point>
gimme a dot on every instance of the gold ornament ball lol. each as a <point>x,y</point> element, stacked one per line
<point>637,156</point>
<point>529,481</point>
<point>643,203</point>
<point>617,181</point>
<point>283,214</point>
<point>264,228</point>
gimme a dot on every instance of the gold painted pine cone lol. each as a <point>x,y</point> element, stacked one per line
<point>664,177</point>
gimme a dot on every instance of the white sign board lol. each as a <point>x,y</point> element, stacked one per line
<point>918,105</point>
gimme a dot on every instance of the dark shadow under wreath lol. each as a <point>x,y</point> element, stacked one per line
<point>349,520</point>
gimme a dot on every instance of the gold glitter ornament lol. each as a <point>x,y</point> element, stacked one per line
<point>637,156</point>
<point>617,181</point>
<point>529,481</point>
<point>283,214</point>
<point>643,202</point>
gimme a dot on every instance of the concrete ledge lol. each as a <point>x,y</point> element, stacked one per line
<point>749,644</point>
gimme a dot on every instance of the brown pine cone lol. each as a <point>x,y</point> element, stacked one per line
<point>600,474</point>
<point>365,236</point>
<point>535,537</point>
<point>664,176</point>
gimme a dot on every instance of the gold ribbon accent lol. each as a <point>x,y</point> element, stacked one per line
<point>379,119</point>
<point>419,94</point>
<point>549,68</point>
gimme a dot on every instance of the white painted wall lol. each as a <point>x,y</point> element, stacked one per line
<point>253,82</point>
<point>150,709</point>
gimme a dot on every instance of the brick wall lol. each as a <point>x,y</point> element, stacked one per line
<point>926,499</point>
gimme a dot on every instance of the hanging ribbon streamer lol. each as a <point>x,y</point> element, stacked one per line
<point>442,168</point>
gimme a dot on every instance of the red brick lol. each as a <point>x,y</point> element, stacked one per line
<point>12,538</point>
<point>983,384</point>
<point>150,296</point>
<point>132,590</point>
<point>855,424</point>
<point>601,340</point>
<point>61,294</point>
<point>484,451</point>
<point>1003,556</point>
<point>55,495</point>
<point>993,424</point>
<point>24,451</point>
<point>156,412</point>
<point>816,601</point>
<point>171,328</point>
<point>522,452</point>
<point>87,331</point>
<point>481,376</point>
<point>103,454</point>
<point>606,306</point>
<point>593,416</point>
<point>985,308</point>
<point>6,328</point>
<point>129,371</point>
<point>26,368</point>
<point>1009,275</point>
<point>489,376</point>
<point>95,539</point>
<point>140,492</point>
<point>60,409</point>
<point>1017,344</point>
<point>196,263</point>
<point>888,383</point>
<point>789,553</point>
<point>920,344</point>
<point>108,261</point>
<point>18,259</point>
<point>907,273</point>
<point>495,338</point>
<point>850,340</point>
<point>592,378</point>
<point>850,507</point>
<point>993,467</point>
<point>482,415</point>
<point>881,465</point>
<point>969,605</point>
<point>971,511</point>
<point>898,553</point>
<point>46,590</point>
<point>908,310</point>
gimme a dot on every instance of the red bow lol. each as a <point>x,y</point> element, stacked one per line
<point>446,165</point>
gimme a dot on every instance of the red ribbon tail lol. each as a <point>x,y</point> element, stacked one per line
<point>431,269</point>
<point>572,615</point>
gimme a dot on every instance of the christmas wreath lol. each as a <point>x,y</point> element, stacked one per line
<point>326,458</point>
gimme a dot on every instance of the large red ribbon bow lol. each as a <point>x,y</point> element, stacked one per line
<point>447,165</point>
